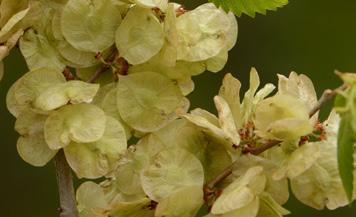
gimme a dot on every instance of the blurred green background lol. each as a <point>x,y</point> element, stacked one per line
<point>314,37</point>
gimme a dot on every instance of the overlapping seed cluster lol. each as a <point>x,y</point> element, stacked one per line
<point>104,71</point>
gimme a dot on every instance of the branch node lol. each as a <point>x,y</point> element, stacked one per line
<point>105,66</point>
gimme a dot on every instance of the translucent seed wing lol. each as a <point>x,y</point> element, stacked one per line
<point>34,150</point>
<point>170,171</point>
<point>183,203</point>
<point>93,160</point>
<point>82,123</point>
<point>147,101</point>
<point>140,36</point>
<point>226,120</point>
<point>90,25</point>
<point>39,52</point>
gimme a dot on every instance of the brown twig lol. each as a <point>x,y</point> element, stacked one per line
<point>325,97</point>
<point>68,206</point>
<point>209,187</point>
<point>223,175</point>
<point>104,67</point>
<point>260,149</point>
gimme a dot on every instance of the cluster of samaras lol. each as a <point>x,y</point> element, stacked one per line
<point>105,71</point>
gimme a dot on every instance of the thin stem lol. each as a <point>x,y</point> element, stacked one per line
<point>68,206</point>
<point>326,96</point>
<point>264,147</point>
<point>104,67</point>
<point>223,175</point>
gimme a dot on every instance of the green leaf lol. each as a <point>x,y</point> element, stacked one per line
<point>345,152</point>
<point>249,7</point>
